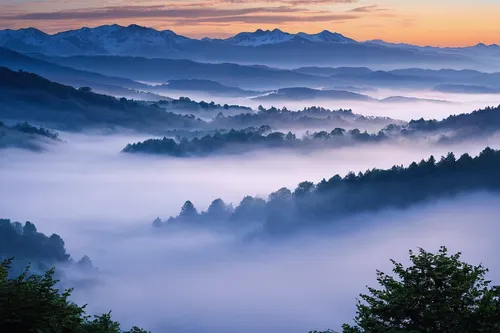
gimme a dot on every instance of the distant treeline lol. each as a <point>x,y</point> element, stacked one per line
<point>30,129</point>
<point>26,244</point>
<point>26,136</point>
<point>245,140</point>
<point>186,104</point>
<point>308,117</point>
<point>330,200</point>
<point>480,121</point>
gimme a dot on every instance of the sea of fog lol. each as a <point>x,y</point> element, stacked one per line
<point>454,103</point>
<point>102,203</point>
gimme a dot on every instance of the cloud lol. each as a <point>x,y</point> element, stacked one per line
<point>295,2</point>
<point>367,9</point>
<point>271,19</point>
<point>147,12</point>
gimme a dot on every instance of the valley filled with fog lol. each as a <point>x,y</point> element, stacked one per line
<point>88,177</point>
<point>209,187</point>
<point>206,280</point>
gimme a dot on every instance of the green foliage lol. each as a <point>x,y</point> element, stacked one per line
<point>102,324</point>
<point>32,303</point>
<point>437,293</point>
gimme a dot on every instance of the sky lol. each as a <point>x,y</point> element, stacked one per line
<point>421,22</point>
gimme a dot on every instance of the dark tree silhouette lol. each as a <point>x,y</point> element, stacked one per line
<point>329,201</point>
<point>437,293</point>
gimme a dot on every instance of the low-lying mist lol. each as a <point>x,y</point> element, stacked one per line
<point>102,203</point>
<point>87,177</point>
<point>209,282</point>
<point>407,110</point>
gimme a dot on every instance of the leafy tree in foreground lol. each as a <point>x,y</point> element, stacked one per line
<point>31,303</point>
<point>437,294</point>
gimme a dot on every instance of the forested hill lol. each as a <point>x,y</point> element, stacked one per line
<point>480,121</point>
<point>29,97</point>
<point>24,243</point>
<point>250,139</point>
<point>26,136</point>
<point>310,117</point>
<point>331,200</point>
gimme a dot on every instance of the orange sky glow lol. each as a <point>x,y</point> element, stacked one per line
<point>423,22</point>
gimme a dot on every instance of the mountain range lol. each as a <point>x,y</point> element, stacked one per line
<point>121,76</point>
<point>276,36</point>
<point>30,97</point>
<point>266,47</point>
<point>116,86</point>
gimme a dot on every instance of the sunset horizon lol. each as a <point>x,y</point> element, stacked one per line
<point>255,29</point>
<point>443,24</point>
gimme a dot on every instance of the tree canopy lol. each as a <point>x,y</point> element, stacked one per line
<point>31,303</point>
<point>437,293</point>
<point>26,244</point>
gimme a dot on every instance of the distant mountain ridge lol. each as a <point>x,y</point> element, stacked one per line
<point>30,97</point>
<point>77,78</point>
<point>276,36</point>
<point>107,39</point>
<point>266,47</point>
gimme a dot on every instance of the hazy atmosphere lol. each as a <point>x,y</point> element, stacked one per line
<point>235,166</point>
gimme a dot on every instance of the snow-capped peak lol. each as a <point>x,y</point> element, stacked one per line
<point>326,36</point>
<point>276,36</point>
<point>107,40</point>
<point>260,37</point>
<point>30,36</point>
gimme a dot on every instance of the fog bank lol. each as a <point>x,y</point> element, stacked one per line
<point>102,203</point>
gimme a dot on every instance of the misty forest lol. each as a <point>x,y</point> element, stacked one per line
<point>251,182</point>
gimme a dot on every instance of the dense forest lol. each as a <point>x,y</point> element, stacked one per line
<point>331,200</point>
<point>26,244</point>
<point>248,139</point>
<point>481,122</point>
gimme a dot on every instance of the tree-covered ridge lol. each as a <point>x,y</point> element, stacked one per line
<point>331,200</point>
<point>25,135</point>
<point>29,129</point>
<point>483,121</point>
<point>188,105</point>
<point>26,244</point>
<point>477,124</point>
<point>437,293</point>
<point>32,303</point>
<point>239,141</point>
<point>310,117</point>
<point>26,96</point>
